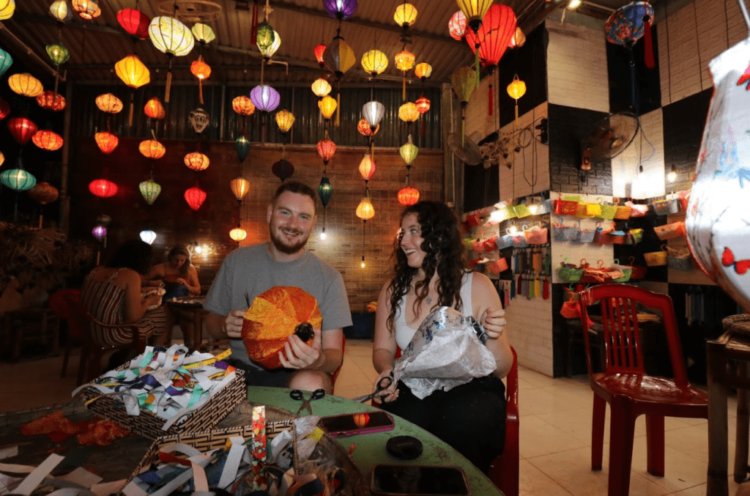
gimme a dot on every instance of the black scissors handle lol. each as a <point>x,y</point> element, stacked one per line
<point>382,385</point>
<point>298,395</point>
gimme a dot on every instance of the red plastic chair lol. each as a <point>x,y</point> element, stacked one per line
<point>504,470</point>
<point>627,388</point>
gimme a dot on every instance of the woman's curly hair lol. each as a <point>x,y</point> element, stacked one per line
<point>444,254</point>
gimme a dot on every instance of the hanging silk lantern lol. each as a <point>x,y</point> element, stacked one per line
<point>199,119</point>
<point>325,190</point>
<point>627,25</point>
<point>423,71</point>
<point>326,149</point>
<point>5,61</point>
<point>243,105</point>
<point>423,105</point>
<point>103,188</point>
<point>408,152</point>
<point>406,15</point>
<point>404,62</point>
<point>265,98</point>
<point>148,236</point>
<point>408,112</point>
<point>106,141</point>
<point>103,220</point>
<point>134,22</point>
<point>203,33</point>
<point>374,62</point>
<point>340,9</point>
<point>49,101</point>
<point>17,179</point>
<point>373,112</point>
<point>265,36</point>
<point>150,190</point>
<point>2,159</point>
<point>408,195</point>
<point>152,149</point>
<point>365,210</point>
<point>463,82</point>
<point>134,74</point>
<point>321,88</point>
<point>57,53</point>
<point>268,52</point>
<point>173,38</point>
<point>154,109</point>
<point>282,169</point>
<point>60,11</point>
<point>7,8</point>
<point>240,186</point>
<point>327,107</point>
<point>285,120</point>
<point>99,232</point>
<point>43,193</point>
<point>518,40</point>
<point>238,234</point>
<point>202,71</point>
<point>339,57</point>
<point>364,128</point>
<point>367,167</point>
<point>474,10</point>
<point>4,109</point>
<point>319,51</point>
<point>457,26</point>
<point>516,89</point>
<point>197,161</point>
<point>47,140</point>
<point>109,103</point>
<point>195,197</point>
<point>25,85</point>
<point>87,9</point>
<point>22,129</point>
<point>242,147</point>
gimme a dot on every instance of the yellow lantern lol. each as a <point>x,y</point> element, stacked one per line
<point>404,62</point>
<point>374,62</point>
<point>365,210</point>
<point>172,37</point>
<point>134,74</point>
<point>406,15</point>
<point>268,51</point>
<point>327,106</point>
<point>474,10</point>
<point>238,234</point>
<point>240,186</point>
<point>321,87</point>
<point>109,103</point>
<point>408,112</point>
<point>25,84</point>
<point>285,120</point>
<point>516,89</point>
<point>518,39</point>
<point>423,70</point>
<point>59,10</point>
<point>7,8</point>
<point>203,33</point>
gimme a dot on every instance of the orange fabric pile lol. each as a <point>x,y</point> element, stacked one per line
<point>59,428</point>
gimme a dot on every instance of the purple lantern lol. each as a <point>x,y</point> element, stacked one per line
<point>340,9</point>
<point>265,98</point>
<point>99,232</point>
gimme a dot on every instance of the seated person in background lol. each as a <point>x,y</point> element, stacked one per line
<point>430,272</point>
<point>283,261</point>
<point>112,295</point>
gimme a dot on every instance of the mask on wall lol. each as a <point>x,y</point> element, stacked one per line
<point>199,119</point>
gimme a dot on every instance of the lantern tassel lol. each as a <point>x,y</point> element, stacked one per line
<point>649,53</point>
<point>338,109</point>
<point>403,89</point>
<point>57,82</point>
<point>491,101</point>
<point>516,113</point>
<point>41,216</point>
<point>200,86</point>
<point>169,83</point>
<point>422,130</point>
<point>130,114</point>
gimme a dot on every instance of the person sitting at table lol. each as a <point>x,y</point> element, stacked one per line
<point>430,272</point>
<point>112,294</point>
<point>282,261</point>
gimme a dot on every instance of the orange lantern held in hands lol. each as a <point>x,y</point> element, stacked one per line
<point>273,317</point>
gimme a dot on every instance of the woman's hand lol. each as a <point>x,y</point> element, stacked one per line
<point>391,392</point>
<point>153,299</point>
<point>493,322</point>
<point>180,280</point>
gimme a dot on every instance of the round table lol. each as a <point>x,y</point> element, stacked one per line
<point>369,449</point>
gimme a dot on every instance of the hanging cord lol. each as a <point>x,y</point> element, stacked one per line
<point>744,13</point>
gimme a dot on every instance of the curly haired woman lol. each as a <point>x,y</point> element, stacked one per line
<point>430,272</point>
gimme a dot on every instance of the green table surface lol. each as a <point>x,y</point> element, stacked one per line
<point>370,448</point>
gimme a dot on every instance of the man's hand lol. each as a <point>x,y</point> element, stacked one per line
<point>298,355</point>
<point>493,322</point>
<point>233,324</point>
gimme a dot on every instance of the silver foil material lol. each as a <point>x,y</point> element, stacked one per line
<point>445,352</point>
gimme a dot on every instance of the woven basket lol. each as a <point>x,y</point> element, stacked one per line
<point>148,425</point>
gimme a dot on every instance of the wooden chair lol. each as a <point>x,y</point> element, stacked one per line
<point>504,470</point>
<point>627,388</point>
<point>66,304</point>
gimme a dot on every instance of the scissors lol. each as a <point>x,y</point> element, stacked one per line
<point>298,395</point>
<point>382,385</point>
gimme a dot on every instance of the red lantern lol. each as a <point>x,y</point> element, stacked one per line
<point>106,141</point>
<point>103,188</point>
<point>423,105</point>
<point>326,149</point>
<point>134,22</point>
<point>319,51</point>
<point>47,140</point>
<point>197,161</point>
<point>4,109</point>
<point>364,128</point>
<point>408,196</point>
<point>48,100</point>
<point>195,197</point>
<point>22,129</point>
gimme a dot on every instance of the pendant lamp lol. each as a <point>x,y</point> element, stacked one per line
<point>173,38</point>
<point>57,53</point>
<point>197,161</point>
<point>408,195</point>
<point>154,109</point>
<point>99,232</point>
<point>87,9</point>
<point>423,106</point>
<point>423,71</point>
<point>364,128</point>
<point>374,62</point>
<point>43,193</point>
<point>7,8</point>
<point>474,11</point>
<point>49,101</point>
<point>25,84</point>
<point>152,149</point>
<point>373,112</point>
<point>408,112</point>
<point>134,74</point>
<point>150,190</point>
<point>109,103</point>
<point>457,26</point>
<point>408,152</point>
<point>269,50</point>
<point>17,179</point>
<point>339,57</point>
<point>340,9</point>
<point>326,149</point>
<point>265,37</point>
<point>327,107</point>
<point>242,147</point>
<point>243,105</point>
<point>60,11</point>
<point>240,186</point>
<point>4,109</point>
<point>195,197</point>
<point>325,190</point>
<point>404,62</point>
<point>2,159</point>
<point>282,169</point>
<point>406,15</point>
<point>238,234</point>
<point>285,120</point>
<point>47,140</point>
<point>106,141</point>
<point>365,211</point>
<point>148,236</point>
<point>103,188</point>
<point>266,99</point>
<point>201,70</point>
<point>203,33</point>
<point>134,22</point>
<point>367,167</point>
<point>321,88</point>
<point>5,61</point>
<point>22,129</point>
<point>518,40</point>
<point>516,89</point>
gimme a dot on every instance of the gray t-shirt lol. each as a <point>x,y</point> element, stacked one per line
<point>253,271</point>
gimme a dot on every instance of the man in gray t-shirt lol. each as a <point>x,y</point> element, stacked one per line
<point>283,261</point>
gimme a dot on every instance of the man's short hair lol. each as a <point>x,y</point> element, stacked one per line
<point>296,187</point>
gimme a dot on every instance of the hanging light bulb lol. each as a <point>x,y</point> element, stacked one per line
<point>60,11</point>
<point>672,176</point>
<point>240,186</point>
<point>365,210</point>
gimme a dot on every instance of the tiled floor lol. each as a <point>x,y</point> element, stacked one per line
<point>555,427</point>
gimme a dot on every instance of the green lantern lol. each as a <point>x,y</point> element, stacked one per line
<point>150,190</point>
<point>265,36</point>
<point>409,152</point>
<point>58,54</point>
<point>5,61</point>
<point>17,179</point>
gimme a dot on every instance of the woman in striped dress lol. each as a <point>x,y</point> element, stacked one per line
<point>112,295</point>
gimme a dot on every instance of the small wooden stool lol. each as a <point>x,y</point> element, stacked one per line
<point>32,323</point>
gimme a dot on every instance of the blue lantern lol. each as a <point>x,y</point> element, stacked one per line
<point>324,191</point>
<point>5,61</point>
<point>17,179</point>
<point>242,145</point>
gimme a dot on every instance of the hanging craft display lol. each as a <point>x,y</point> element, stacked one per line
<point>134,22</point>
<point>242,147</point>
<point>457,26</point>
<point>47,140</point>
<point>374,62</point>
<point>154,109</point>
<point>404,63</point>
<point>60,11</point>
<point>201,70</point>
<point>326,149</point>
<point>199,119</point>
<point>197,161</point>
<point>239,186</point>
<point>87,9</point>
<point>152,149</point>
<point>408,195</point>
<point>243,105</point>
<point>173,38</point>
<point>109,103</point>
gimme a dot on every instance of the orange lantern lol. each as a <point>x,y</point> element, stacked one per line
<point>47,140</point>
<point>423,105</point>
<point>43,193</point>
<point>152,149</point>
<point>404,62</point>
<point>154,109</point>
<point>103,188</point>
<point>202,71</point>
<point>243,105</point>
<point>408,112</point>
<point>275,315</point>
<point>106,141</point>
<point>195,197</point>
<point>49,101</point>
<point>197,161</point>
<point>25,85</point>
<point>408,195</point>
<point>87,9</point>
<point>364,128</point>
<point>367,167</point>
<point>109,103</point>
<point>319,51</point>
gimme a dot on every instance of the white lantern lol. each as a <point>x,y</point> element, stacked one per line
<point>148,236</point>
<point>373,112</point>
